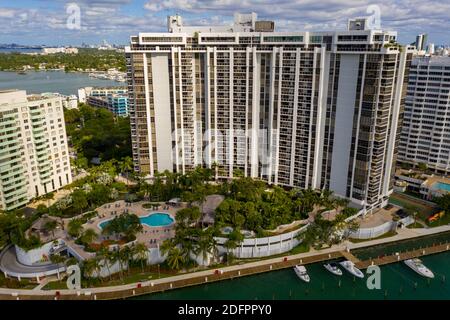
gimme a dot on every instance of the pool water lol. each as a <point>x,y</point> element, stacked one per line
<point>157,219</point>
<point>442,186</point>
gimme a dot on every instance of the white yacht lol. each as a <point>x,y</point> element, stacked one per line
<point>417,265</point>
<point>333,268</point>
<point>350,267</point>
<point>301,273</point>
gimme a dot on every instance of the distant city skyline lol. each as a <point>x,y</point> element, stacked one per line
<point>34,22</point>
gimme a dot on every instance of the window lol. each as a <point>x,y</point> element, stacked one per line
<point>284,39</point>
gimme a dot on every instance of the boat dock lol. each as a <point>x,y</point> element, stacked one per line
<point>400,256</point>
<point>349,256</point>
<point>220,274</point>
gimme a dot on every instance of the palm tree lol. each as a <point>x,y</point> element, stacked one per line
<point>141,251</point>
<point>79,200</point>
<point>230,244</point>
<point>51,226</point>
<point>165,247</point>
<point>126,165</point>
<point>75,227</point>
<point>205,244</point>
<point>415,216</point>
<point>200,194</point>
<point>71,261</point>
<point>91,266</point>
<point>104,254</point>
<point>175,258</point>
<point>113,258</point>
<point>236,236</point>
<point>57,259</point>
<point>88,236</point>
<point>125,255</point>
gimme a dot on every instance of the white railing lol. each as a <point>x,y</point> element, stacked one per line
<point>369,233</point>
<point>263,247</point>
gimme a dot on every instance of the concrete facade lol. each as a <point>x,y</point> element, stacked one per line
<point>299,109</point>
<point>34,158</point>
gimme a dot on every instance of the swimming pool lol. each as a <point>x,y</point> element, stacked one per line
<point>157,219</point>
<point>442,186</point>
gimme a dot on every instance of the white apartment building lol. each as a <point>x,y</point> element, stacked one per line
<point>425,136</point>
<point>70,102</point>
<point>86,92</point>
<point>34,156</point>
<point>59,50</point>
<point>298,109</point>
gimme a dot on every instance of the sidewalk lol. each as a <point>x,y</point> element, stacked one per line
<point>202,276</point>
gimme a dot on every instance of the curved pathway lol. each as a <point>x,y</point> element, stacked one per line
<point>12,267</point>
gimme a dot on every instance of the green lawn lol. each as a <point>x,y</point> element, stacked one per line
<point>55,285</point>
<point>423,210</point>
<point>415,225</point>
<point>134,277</point>
<point>13,283</point>
<point>301,248</point>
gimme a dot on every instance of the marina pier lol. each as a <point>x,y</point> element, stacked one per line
<point>231,272</point>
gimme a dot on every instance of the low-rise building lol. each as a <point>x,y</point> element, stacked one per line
<point>435,187</point>
<point>428,186</point>
<point>68,50</point>
<point>84,93</point>
<point>68,102</point>
<point>115,99</point>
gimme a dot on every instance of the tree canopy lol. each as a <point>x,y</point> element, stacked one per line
<point>96,132</point>
<point>85,59</point>
<point>126,224</point>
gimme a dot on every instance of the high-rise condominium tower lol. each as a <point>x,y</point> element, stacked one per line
<point>425,136</point>
<point>421,42</point>
<point>302,109</point>
<point>34,157</point>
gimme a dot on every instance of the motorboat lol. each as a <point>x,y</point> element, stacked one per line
<point>301,273</point>
<point>333,268</point>
<point>417,265</point>
<point>350,267</point>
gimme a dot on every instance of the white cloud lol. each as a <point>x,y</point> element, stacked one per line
<point>121,18</point>
<point>404,15</point>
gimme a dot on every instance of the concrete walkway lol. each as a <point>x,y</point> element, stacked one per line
<point>12,267</point>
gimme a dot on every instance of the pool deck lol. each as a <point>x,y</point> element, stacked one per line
<point>151,236</point>
<point>431,181</point>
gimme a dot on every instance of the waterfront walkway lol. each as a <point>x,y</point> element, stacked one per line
<point>202,277</point>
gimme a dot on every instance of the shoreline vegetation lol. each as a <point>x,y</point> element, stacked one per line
<point>86,60</point>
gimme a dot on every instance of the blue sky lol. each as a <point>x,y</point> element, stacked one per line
<point>44,21</point>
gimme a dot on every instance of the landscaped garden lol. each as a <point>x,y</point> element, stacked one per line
<point>249,207</point>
